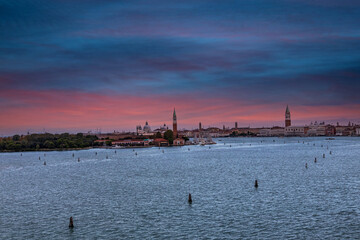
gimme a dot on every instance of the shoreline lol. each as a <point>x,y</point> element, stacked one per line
<point>49,150</point>
<point>330,138</point>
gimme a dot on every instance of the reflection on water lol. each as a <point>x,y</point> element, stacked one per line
<point>122,195</point>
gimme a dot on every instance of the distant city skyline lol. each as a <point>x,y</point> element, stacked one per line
<point>75,66</point>
<point>185,124</point>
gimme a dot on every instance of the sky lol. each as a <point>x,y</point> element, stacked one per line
<point>78,66</point>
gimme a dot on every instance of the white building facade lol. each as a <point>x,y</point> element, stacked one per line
<point>298,131</point>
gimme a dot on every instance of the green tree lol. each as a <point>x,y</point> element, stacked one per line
<point>10,145</point>
<point>16,137</point>
<point>46,140</point>
<point>168,135</point>
<point>158,135</point>
<point>49,144</point>
<point>185,138</point>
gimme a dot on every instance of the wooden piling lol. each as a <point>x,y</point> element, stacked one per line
<point>71,223</point>
<point>189,199</point>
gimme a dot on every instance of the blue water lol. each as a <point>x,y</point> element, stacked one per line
<point>144,196</point>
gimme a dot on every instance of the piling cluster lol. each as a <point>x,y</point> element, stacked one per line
<point>256,183</point>
<point>323,155</point>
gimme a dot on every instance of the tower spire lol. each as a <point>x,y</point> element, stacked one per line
<point>174,124</point>
<point>287,117</point>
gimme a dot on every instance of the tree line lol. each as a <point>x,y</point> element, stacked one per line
<point>46,141</point>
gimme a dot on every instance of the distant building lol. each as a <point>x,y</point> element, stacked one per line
<point>316,129</point>
<point>296,131</point>
<point>358,131</point>
<point>174,125</point>
<point>277,131</point>
<point>349,131</point>
<point>130,142</point>
<point>330,130</point>
<point>265,132</point>
<point>161,142</point>
<point>179,142</point>
<point>271,132</point>
<point>164,128</point>
<point>145,131</point>
<point>341,130</point>
<point>147,128</point>
<point>199,126</point>
<point>287,117</point>
<point>236,125</point>
<point>138,129</point>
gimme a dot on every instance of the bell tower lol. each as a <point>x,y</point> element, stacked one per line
<point>287,117</point>
<point>174,125</point>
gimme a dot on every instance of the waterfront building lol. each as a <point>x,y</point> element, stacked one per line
<point>349,131</point>
<point>179,142</point>
<point>358,131</point>
<point>265,132</point>
<point>296,131</point>
<point>341,130</point>
<point>190,133</point>
<point>287,117</point>
<point>330,130</point>
<point>271,132</point>
<point>174,125</point>
<point>248,131</point>
<point>346,130</point>
<point>277,131</point>
<point>130,143</point>
<point>161,142</point>
<point>321,129</point>
<point>316,129</point>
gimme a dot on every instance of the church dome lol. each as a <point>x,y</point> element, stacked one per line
<point>147,127</point>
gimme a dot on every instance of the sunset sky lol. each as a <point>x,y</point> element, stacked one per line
<point>68,65</point>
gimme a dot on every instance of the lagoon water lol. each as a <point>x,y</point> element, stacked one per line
<point>144,196</point>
